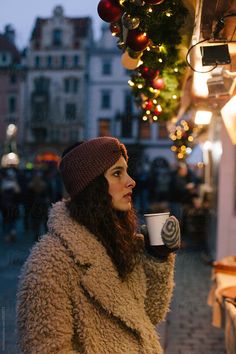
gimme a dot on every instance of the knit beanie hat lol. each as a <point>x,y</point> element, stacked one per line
<point>86,161</point>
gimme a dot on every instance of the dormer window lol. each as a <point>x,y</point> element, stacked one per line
<point>57,37</point>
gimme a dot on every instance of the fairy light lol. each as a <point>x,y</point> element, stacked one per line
<point>160,60</point>
<point>168,14</point>
<point>148,112</point>
<point>145,118</point>
<point>188,150</point>
<point>174,97</point>
<point>131,83</point>
<point>140,86</point>
<point>155,118</point>
<point>176,70</point>
<point>150,10</point>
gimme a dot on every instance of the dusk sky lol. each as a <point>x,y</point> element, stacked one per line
<point>22,14</point>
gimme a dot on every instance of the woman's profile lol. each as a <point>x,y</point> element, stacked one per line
<point>91,285</point>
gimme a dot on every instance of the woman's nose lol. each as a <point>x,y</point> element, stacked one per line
<point>131,182</point>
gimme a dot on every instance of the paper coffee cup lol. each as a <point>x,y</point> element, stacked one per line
<point>155,223</point>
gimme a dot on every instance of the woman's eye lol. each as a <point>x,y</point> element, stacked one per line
<point>117,174</point>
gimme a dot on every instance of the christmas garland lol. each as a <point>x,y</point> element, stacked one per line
<point>148,33</point>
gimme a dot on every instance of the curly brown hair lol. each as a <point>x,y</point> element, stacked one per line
<point>117,230</point>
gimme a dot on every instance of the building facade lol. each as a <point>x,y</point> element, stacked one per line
<point>55,99</point>
<point>11,91</point>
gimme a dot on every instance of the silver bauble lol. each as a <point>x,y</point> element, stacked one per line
<point>129,21</point>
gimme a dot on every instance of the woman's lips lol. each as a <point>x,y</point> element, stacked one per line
<point>128,196</point>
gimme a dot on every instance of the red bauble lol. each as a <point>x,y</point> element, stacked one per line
<point>109,11</point>
<point>115,29</point>
<point>148,73</point>
<point>157,112</point>
<point>148,105</point>
<point>136,40</point>
<point>158,83</point>
<point>154,2</point>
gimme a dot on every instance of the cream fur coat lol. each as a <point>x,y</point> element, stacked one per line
<point>71,299</point>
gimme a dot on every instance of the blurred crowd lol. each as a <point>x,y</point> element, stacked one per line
<point>27,195</point>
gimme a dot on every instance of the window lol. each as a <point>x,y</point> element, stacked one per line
<point>104,127</point>
<point>37,61</point>
<point>63,61</point>
<point>128,103</point>
<point>162,131</point>
<point>76,60</point>
<point>144,130</point>
<point>57,37</point>
<point>49,61</point>
<point>105,99</point>
<point>40,107</point>
<point>106,67</point>
<point>41,84</point>
<point>11,104</point>
<point>71,85</point>
<point>70,111</point>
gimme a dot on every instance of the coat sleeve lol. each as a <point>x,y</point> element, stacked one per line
<point>44,310</point>
<point>160,283</point>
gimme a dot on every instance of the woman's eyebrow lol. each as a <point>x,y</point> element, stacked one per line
<point>118,168</point>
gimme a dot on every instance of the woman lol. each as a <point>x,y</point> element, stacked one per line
<point>89,286</point>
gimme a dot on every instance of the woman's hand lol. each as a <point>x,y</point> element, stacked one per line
<point>171,238</point>
<point>170,233</point>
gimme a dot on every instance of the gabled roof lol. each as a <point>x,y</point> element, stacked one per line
<point>81,26</point>
<point>7,46</point>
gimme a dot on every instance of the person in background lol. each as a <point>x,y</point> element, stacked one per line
<point>9,204</point>
<point>182,188</point>
<point>37,203</point>
<point>90,285</point>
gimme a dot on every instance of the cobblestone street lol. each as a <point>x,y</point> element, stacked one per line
<point>188,327</point>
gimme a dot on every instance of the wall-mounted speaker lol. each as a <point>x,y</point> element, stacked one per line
<point>215,54</point>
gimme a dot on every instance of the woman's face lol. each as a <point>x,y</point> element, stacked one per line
<point>120,185</point>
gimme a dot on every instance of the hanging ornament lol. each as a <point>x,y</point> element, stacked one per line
<point>130,22</point>
<point>147,105</point>
<point>148,73</point>
<point>154,2</point>
<point>109,11</point>
<point>115,29</point>
<point>158,83</point>
<point>121,44</point>
<point>128,62</point>
<point>137,2</point>
<point>137,41</point>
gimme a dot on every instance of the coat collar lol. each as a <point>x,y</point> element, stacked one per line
<point>123,299</point>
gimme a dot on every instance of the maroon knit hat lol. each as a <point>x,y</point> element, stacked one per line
<point>86,161</point>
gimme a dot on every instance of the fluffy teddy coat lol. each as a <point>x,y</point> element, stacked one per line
<point>71,299</point>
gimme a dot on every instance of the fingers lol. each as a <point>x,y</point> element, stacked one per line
<point>170,233</point>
